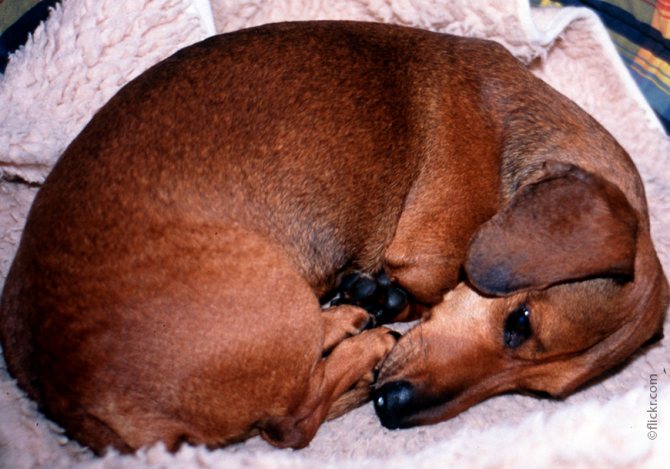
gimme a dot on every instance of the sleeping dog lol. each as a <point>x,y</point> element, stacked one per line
<point>167,284</point>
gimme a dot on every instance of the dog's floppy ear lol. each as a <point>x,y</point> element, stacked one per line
<point>569,225</point>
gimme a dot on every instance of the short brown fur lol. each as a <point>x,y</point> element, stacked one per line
<point>166,286</point>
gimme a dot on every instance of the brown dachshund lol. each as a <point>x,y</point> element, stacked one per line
<point>167,284</point>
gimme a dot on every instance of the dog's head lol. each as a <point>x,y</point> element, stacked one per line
<point>562,284</point>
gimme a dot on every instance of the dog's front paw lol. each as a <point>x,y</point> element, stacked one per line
<point>378,295</point>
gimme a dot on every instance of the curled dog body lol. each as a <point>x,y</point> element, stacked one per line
<point>167,282</point>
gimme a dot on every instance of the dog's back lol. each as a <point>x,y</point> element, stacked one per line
<point>193,215</point>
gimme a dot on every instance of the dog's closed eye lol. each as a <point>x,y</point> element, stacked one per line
<point>517,327</point>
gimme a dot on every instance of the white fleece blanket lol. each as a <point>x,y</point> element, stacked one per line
<point>89,48</point>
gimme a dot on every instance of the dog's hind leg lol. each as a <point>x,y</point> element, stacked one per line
<point>348,365</point>
<point>341,322</point>
<point>356,396</point>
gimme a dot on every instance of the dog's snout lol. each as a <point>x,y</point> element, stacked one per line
<point>392,402</point>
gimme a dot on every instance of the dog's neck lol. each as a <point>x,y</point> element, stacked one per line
<point>532,134</point>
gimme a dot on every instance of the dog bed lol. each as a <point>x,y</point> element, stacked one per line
<point>87,49</point>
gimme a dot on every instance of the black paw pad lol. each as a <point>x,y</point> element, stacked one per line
<point>378,295</point>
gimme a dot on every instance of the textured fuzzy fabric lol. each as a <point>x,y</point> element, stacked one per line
<point>73,64</point>
<point>89,48</point>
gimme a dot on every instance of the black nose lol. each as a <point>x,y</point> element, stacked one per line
<point>392,402</point>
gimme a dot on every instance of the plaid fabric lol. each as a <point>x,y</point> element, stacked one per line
<point>640,30</point>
